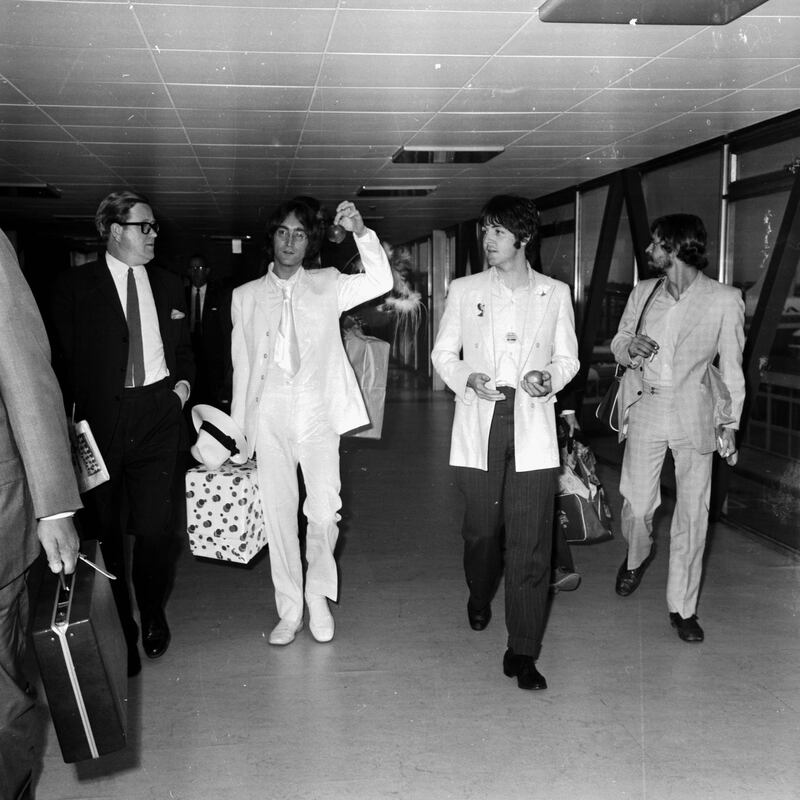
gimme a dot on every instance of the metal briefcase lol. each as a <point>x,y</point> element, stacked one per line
<point>82,656</point>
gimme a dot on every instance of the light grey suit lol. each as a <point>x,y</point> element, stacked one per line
<point>36,480</point>
<point>682,417</point>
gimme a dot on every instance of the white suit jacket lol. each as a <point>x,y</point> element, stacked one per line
<point>713,325</point>
<point>465,344</point>
<point>318,299</point>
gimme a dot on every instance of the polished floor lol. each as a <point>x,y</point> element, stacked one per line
<point>409,703</point>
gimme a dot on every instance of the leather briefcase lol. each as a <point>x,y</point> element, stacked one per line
<point>82,657</point>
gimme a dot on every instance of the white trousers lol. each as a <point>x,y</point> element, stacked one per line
<point>293,430</point>
<point>655,425</point>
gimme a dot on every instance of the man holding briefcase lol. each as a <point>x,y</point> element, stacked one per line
<point>38,496</point>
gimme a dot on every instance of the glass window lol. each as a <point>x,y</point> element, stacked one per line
<point>689,187</point>
<point>772,158</point>
<point>558,243</point>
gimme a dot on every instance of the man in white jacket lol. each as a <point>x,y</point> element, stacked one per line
<point>295,393</point>
<point>505,346</point>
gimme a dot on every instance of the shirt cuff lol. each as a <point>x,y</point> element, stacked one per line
<point>62,515</point>
<point>183,390</point>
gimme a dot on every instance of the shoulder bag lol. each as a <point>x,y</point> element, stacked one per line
<point>607,410</point>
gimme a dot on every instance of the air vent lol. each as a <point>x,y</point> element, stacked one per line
<point>29,190</point>
<point>395,191</point>
<point>646,12</point>
<point>445,155</point>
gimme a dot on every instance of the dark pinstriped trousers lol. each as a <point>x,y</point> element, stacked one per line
<point>521,504</point>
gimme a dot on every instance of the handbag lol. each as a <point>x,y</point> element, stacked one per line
<point>607,410</point>
<point>582,511</point>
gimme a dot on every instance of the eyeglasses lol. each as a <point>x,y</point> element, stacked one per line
<point>145,227</point>
<point>284,234</point>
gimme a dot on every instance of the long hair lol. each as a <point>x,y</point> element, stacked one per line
<point>516,214</point>
<point>685,236</point>
<point>307,216</point>
<point>115,208</point>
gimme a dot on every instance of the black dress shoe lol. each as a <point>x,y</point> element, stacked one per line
<point>628,580</point>
<point>155,635</point>
<point>478,620</point>
<point>134,662</point>
<point>688,629</point>
<point>523,668</point>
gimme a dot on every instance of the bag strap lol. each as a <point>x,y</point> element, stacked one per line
<point>619,370</point>
<point>647,303</point>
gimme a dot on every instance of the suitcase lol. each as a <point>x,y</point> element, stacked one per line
<point>82,657</point>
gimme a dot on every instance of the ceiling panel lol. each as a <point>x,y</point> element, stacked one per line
<point>270,30</point>
<point>69,24</point>
<point>222,108</point>
<point>575,72</point>
<point>407,71</point>
<point>516,99</point>
<point>423,31</point>
<point>247,69</point>
<point>380,99</point>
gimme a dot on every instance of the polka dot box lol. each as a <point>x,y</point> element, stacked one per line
<point>223,512</point>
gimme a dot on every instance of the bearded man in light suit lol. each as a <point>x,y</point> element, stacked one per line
<point>295,393</point>
<point>38,496</point>
<point>506,345</point>
<point>673,397</point>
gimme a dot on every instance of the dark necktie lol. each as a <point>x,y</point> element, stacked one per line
<point>197,317</point>
<point>135,373</point>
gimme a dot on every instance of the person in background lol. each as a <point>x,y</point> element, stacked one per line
<point>38,497</point>
<point>209,306</point>
<point>506,345</point>
<point>295,393</point>
<point>122,339</point>
<point>673,397</point>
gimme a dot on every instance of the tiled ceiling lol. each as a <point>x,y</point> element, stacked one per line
<point>219,109</point>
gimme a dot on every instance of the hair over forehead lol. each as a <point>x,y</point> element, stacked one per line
<point>115,208</point>
<point>517,214</point>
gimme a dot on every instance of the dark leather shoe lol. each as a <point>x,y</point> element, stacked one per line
<point>523,668</point>
<point>688,629</point>
<point>134,662</point>
<point>628,580</point>
<point>155,635</point>
<point>478,620</point>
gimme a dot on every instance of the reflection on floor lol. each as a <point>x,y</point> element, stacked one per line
<point>408,703</point>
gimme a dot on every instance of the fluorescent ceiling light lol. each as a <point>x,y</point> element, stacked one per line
<point>646,12</point>
<point>411,154</point>
<point>396,191</point>
<point>29,190</point>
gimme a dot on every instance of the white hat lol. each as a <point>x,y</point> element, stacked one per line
<point>219,438</point>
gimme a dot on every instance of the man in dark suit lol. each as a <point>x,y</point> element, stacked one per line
<point>38,496</point>
<point>209,304</point>
<point>122,334</point>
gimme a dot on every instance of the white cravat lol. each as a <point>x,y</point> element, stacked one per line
<point>287,350</point>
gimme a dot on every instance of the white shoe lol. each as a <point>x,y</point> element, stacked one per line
<point>320,619</point>
<point>284,632</point>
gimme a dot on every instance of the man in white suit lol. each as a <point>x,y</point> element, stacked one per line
<point>38,496</point>
<point>673,397</point>
<point>295,393</point>
<point>506,345</point>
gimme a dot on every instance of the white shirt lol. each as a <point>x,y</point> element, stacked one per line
<point>663,323</point>
<point>155,365</point>
<point>509,307</point>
